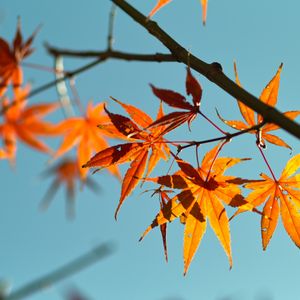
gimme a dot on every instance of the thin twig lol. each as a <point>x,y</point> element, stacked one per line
<point>111,23</point>
<point>228,137</point>
<point>212,72</point>
<point>40,67</point>
<point>76,96</point>
<point>113,54</point>
<point>53,83</point>
<point>101,57</point>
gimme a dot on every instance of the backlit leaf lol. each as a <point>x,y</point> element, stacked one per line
<point>144,149</point>
<point>203,192</point>
<point>280,196</point>
<point>86,134</point>
<point>269,96</point>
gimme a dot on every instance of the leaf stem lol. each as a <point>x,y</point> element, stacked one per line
<point>42,68</point>
<point>266,161</point>
<point>76,96</point>
<point>212,123</point>
<point>197,156</point>
<point>214,159</point>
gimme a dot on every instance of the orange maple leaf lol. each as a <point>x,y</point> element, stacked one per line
<point>88,133</point>
<point>11,57</point>
<point>25,123</point>
<point>176,100</point>
<point>144,146</point>
<point>280,196</point>
<point>203,192</point>
<point>161,3</point>
<point>3,154</point>
<point>268,96</point>
<point>66,173</point>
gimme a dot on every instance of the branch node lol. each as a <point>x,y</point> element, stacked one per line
<point>213,69</point>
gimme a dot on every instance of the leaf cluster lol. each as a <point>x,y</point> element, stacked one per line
<point>195,195</point>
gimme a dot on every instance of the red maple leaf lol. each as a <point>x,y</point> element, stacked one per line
<point>176,100</point>
<point>11,57</point>
<point>144,145</point>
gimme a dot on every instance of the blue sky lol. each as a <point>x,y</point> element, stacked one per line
<point>259,35</point>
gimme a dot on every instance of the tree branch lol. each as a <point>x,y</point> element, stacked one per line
<point>227,137</point>
<point>212,72</point>
<point>100,58</point>
<point>52,83</point>
<point>111,23</point>
<point>156,57</point>
<point>67,270</point>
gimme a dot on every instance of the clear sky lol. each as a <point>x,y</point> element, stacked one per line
<point>259,35</point>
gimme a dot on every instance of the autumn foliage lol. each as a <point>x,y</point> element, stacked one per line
<point>162,3</point>
<point>11,58</point>
<point>197,194</point>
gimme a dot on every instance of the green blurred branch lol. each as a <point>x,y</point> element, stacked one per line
<point>63,272</point>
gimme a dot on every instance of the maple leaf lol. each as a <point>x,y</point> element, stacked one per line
<point>163,200</point>
<point>88,133</point>
<point>204,190</point>
<point>282,197</point>
<point>66,173</point>
<point>268,96</point>
<point>176,100</point>
<point>143,151</point>
<point>3,154</point>
<point>162,3</point>
<point>11,57</point>
<point>25,123</point>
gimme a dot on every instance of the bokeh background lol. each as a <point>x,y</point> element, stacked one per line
<point>259,35</point>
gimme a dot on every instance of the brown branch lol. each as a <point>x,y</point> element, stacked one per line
<point>227,137</point>
<point>112,54</point>
<point>101,57</point>
<point>213,71</point>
